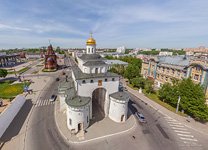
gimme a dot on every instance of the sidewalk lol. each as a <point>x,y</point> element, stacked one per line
<point>197,126</point>
<point>96,131</point>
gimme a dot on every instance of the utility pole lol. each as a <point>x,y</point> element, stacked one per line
<point>179,99</point>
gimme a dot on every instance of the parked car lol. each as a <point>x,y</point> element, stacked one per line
<point>53,98</point>
<point>140,117</point>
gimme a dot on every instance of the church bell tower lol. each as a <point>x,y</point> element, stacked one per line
<point>91,45</point>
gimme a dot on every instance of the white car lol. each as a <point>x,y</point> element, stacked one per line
<point>53,98</point>
<point>140,117</point>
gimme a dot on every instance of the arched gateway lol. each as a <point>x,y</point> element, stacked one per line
<point>98,103</point>
<point>92,93</point>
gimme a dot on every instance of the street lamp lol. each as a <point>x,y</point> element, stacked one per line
<point>179,99</point>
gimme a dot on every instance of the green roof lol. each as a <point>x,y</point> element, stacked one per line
<point>77,101</point>
<point>122,96</point>
<point>80,75</point>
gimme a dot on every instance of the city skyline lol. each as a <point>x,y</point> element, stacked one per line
<point>154,24</point>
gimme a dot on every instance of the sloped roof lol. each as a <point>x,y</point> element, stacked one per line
<point>91,57</point>
<point>80,75</point>
<point>122,96</point>
<point>94,63</point>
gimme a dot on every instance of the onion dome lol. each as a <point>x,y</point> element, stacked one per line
<point>91,41</point>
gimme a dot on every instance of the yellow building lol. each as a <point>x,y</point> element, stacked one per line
<point>166,69</point>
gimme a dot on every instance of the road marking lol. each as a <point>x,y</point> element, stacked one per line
<point>170,119</point>
<point>41,104</point>
<point>185,135</point>
<point>45,102</point>
<point>188,139</point>
<point>191,143</point>
<point>178,131</point>
<point>37,102</point>
<point>175,125</point>
<point>178,128</point>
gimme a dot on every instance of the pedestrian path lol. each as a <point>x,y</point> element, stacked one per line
<point>185,136</point>
<point>43,102</point>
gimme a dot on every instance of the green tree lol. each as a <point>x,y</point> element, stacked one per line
<point>3,73</point>
<point>138,82</point>
<point>192,98</point>
<point>148,86</point>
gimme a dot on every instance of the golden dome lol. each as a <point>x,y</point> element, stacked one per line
<point>91,41</point>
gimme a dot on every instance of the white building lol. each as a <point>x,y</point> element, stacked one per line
<point>93,92</point>
<point>121,49</point>
<point>164,53</point>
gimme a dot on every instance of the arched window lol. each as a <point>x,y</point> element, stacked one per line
<point>91,81</point>
<point>113,79</point>
<point>106,80</point>
<point>83,81</point>
<point>96,70</point>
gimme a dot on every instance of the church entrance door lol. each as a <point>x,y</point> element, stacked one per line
<point>98,103</point>
<point>122,118</point>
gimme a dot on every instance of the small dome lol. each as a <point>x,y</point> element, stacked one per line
<point>50,59</point>
<point>91,41</point>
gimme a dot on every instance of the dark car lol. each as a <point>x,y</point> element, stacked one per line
<point>53,98</point>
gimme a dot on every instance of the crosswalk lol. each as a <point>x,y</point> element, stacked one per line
<point>182,132</point>
<point>43,102</point>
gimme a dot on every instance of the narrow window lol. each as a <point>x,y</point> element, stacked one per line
<point>91,81</point>
<point>83,81</point>
<point>87,119</point>
<point>106,80</point>
<point>113,79</point>
<point>70,121</point>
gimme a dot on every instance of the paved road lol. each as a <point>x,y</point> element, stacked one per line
<point>42,134</point>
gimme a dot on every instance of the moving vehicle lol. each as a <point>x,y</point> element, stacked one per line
<point>140,117</point>
<point>53,98</point>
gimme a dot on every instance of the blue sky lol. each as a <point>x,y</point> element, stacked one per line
<point>132,23</point>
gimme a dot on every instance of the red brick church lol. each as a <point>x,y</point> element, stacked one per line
<point>50,59</point>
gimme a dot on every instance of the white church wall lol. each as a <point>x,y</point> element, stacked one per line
<point>117,109</point>
<point>78,115</point>
<point>86,89</point>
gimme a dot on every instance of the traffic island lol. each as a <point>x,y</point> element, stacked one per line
<point>96,131</point>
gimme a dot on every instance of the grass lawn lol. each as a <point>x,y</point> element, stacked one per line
<point>9,90</point>
<point>154,97</point>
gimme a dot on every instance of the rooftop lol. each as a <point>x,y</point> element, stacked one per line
<point>77,101</point>
<point>122,96</point>
<point>91,57</point>
<point>116,62</point>
<point>94,63</point>
<point>174,60</point>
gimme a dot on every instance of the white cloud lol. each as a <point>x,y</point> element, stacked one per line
<point>8,27</point>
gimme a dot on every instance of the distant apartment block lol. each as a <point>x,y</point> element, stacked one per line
<point>200,49</point>
<point>165,69</point>
<point>121,49</point>
<point>165,53</point>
